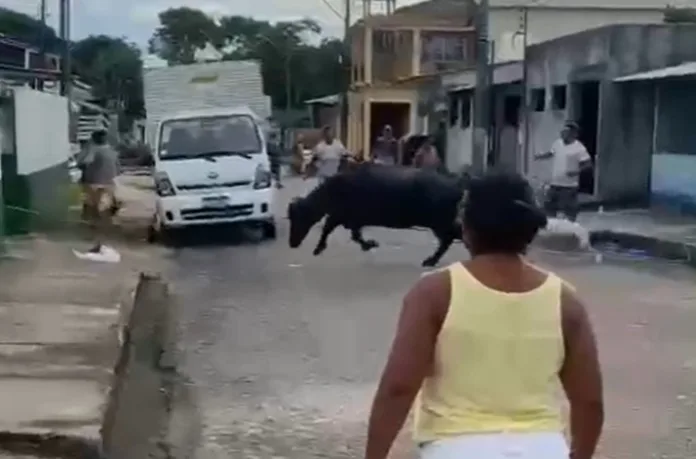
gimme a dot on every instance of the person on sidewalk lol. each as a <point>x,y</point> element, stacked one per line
<point>275,156</point>
<point>101,168</point>
<point>570,158</point>
<point>481,346</point>
<point>327,155</point>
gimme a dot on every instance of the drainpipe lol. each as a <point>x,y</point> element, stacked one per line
<point>525,91</point>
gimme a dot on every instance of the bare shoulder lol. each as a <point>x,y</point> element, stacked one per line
<point>573,310</point>
<point>432,291</point>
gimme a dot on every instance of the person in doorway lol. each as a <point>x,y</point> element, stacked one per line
<point>481,346</point>
<point>386,148</point>
<point>426,156</point>
<point>570,158</point>
<point>327,155</point>
<point>100,171</point>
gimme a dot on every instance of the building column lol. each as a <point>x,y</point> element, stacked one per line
<point>367,53</point>
<point>416,58</point>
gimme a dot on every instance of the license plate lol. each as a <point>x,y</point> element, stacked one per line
<point>215,202</point>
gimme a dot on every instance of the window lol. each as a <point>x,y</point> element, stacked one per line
<point>538,99</point>
<point>465,110</point>
<point>444,47</point>
<point>559,97</point>
<point>511,110</point>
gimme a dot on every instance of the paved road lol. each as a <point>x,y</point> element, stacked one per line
<point>284,349</point>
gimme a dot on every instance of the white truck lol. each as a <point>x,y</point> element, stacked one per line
<point>206,124</point>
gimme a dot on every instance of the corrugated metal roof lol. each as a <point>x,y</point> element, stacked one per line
<point>685,69</point>
<point>608,4</point>
<point>203,86</point>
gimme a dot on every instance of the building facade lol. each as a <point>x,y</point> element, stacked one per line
<point>631,88</point>
<point>396,60</point>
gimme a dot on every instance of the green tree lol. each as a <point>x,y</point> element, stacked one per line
<point>113,67</point>
<point>28,30</point>
<point>677,15</point>
<point>293,68</point>
<point>181,33</point>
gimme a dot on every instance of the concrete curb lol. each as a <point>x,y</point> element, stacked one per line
<point>148,397</point>
<point>651,245</point>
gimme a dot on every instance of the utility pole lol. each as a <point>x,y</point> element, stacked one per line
<point>481,100</point>
<point>42,45</point>
<point>347,67</point>
<point>64,33</point>
<point>525,94</point>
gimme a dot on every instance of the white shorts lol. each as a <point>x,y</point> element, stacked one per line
<point>548,445</point>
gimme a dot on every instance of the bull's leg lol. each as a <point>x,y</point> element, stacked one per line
<point>357,237</point>
<point>329,225</point>
<point>445,239</point>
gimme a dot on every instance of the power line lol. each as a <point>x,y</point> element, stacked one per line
<point>334,10</point>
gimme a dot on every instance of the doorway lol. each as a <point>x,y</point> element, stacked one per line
<point>586,113</point>
<point>395,114</point>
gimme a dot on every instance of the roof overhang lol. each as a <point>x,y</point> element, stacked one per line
<point>682,70</point>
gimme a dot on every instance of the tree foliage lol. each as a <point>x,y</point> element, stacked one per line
<point>114,69</point>
<point>286,50</point>
<point>677,15</point>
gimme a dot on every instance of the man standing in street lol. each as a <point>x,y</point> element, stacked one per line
<point>275,156</point>
<point>570,158</point>
<point>100,166</point>
<point>328,154</point>
<point>386,148</point>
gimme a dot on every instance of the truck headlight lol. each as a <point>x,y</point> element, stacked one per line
<point>263,178</point>
<point>163,185</point>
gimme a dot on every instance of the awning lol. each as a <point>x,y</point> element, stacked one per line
<point>681,70</point>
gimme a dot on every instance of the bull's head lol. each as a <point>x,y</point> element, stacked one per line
<point>301,216</point>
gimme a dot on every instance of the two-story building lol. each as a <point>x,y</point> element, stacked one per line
<point>396,60</point>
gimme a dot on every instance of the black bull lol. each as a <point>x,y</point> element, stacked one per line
<point>387,196</point>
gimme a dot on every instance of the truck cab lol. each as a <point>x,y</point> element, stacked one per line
<point>211,168</point>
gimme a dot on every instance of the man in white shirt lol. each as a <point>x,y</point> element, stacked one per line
<point>328,154</point>
<point>570,158</point>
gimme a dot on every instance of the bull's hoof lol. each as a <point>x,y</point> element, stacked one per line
<point>318,250</point>
<point>369,245</point>
<point>429,263</point>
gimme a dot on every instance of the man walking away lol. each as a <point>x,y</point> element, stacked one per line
<point>100,171</point>
<point>386,148</point>
<point>327,155</point>
<point>570,158</point>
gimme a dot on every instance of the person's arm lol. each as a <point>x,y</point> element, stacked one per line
<point>410,361</point>
<point>544,155</point>
<point>581,377</point>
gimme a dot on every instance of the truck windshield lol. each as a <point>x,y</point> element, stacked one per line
<point>211,136</point>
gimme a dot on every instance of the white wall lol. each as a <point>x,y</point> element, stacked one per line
<point>548,23</point>
<point>459,141</point>
<point>41,129</point>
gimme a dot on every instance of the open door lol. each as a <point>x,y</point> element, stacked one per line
<point>586,96</point>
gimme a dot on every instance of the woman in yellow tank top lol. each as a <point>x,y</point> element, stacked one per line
<point>482,346</point>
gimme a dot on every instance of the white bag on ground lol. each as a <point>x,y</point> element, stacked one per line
<point>566,227</point>
<point>105,255</point>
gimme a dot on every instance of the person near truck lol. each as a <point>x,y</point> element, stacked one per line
<point>100,167</point>
<point>328,154</point>
<point>569,158</point>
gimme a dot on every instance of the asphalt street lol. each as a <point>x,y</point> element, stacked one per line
<point>284,349</point>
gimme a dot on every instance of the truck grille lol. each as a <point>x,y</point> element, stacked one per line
<point>211,186</point>
<point>221,213</point>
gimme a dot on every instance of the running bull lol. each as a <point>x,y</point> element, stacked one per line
<point>378,195</point>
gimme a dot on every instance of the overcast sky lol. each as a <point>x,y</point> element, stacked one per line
<point>136,19</point>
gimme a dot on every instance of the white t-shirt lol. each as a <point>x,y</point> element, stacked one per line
<point>567,158</point>
<point>328,157</point>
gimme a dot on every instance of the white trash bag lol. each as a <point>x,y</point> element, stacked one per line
<point>105,255</point>
<point>565,226</point>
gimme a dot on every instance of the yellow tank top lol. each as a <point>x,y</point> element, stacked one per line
<point>496,362</point>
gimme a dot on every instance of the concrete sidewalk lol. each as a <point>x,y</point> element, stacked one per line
<point>58,335</point>
<point>655,234</point>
